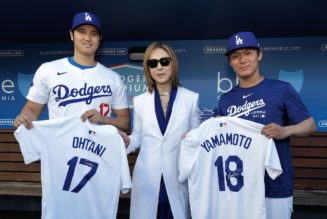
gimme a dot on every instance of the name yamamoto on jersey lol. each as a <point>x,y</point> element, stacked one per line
<point>228,139</point>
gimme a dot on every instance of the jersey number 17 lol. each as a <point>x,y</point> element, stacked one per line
<point>71,170</point>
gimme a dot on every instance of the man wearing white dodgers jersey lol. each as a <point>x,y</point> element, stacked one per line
<point>273,103</point>
<point>83,167</point>
<point>224,161</point>
<point>78,84</point>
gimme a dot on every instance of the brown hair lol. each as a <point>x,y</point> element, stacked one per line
<point>174,65</point>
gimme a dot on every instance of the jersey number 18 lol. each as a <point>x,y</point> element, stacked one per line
<point>233,176</point>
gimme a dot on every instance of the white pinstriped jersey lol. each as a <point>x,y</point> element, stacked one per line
<point>83,167</point>
<point>69,90</point>
<point>224,161</point>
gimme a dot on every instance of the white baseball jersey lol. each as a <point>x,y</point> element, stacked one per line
<point>69,90</point>
<point>83,167</point>
<point>224,161</point>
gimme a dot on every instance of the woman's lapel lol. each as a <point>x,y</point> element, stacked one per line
<point>174,114</point>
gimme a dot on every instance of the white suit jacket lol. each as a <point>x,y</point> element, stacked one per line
<point>159,154</point>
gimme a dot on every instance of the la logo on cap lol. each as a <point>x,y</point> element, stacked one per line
<point>238,40</point>
<point>88,17</point>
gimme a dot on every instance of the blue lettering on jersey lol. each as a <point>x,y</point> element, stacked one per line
<point>88,145</point>
<point>226,139</point>
<point>85,93</point>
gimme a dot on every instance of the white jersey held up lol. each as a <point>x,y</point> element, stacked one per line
<point>83,167</point>
<point>224,161</point>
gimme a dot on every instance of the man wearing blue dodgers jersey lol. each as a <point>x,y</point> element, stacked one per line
<point>273,103</point>
<point>79,84</point>
<point>224,161</point>
<point>83,167</point>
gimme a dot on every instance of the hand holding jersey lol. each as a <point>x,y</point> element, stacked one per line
<point>83,167</point>
<point>224,161</point>
<point>273,103</point>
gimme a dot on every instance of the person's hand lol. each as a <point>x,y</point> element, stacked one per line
<point>275,131</point>
<point>125,137</point>
<point>93,116</point>
<point>22,119</point>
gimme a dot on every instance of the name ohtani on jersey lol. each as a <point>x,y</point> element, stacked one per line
<point>88,145</point>
<point>86,94</point>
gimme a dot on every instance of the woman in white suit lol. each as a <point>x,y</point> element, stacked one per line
<point>162,115</point>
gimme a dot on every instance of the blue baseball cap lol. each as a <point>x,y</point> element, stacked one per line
<point>86,18</point>
<point>242,40</point>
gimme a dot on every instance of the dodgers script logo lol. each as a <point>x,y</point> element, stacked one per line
<point>246,108</point>
<point>86,94</point>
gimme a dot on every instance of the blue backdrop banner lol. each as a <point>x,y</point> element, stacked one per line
<point>203,68</point>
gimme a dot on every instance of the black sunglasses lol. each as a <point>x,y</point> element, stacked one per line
<point>153,63</point>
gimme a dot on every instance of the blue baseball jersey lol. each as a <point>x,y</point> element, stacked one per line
<point>270,101</point>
